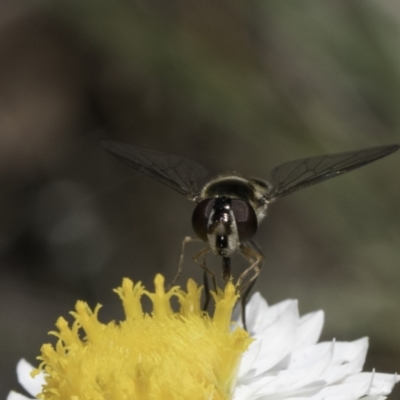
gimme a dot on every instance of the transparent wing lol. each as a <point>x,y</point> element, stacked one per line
<point>295,175</point>
<point>176,172</point>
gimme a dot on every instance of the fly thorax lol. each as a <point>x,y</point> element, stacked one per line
<point>259,201</point>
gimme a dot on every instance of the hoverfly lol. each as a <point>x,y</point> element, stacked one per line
<point>230,207</point>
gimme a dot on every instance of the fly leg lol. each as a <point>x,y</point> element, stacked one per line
<point>207,297</point>
<point>207,272</point>
<point>253,254</point>
<point>186,240</point>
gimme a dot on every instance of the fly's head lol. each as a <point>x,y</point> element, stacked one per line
<point>227,216</point>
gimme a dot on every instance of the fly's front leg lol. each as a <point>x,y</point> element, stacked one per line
<point>255,257</point>
<point>207,293</point>
<point>186,240</point>
<point>207,272</point>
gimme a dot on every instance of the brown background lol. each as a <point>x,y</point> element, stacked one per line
<point>237,86</point>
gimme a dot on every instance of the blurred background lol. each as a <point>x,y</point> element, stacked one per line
<point>236,86</point>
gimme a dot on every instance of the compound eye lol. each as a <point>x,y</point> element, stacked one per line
<point>200,218</point>
<point>246,219</point>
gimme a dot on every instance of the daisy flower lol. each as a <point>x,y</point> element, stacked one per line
<point>191,355</point>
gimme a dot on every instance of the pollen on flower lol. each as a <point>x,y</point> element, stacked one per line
<point>162,355</point>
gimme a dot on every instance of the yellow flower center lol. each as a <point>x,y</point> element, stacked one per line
<point>162,355</point>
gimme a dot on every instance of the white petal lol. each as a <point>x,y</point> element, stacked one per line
<point>309,329</point>
<point>245,392</point>
<point>381,384</point>
<point>336,372</point>
<point>285,363</point>
<point>345,390</point>
<point>290,380</point>
<point>16,396</point>
<point>342,364</point>
<point>256,309</point>
<point>248,360</point>
<point>342,391</point>
<point>278,338</point>
<point>347,351</point>
<point>32,385</point>
<point>260,316</point>
<point>252,391</point>
<point>276,311</point>
<point>374,398</point>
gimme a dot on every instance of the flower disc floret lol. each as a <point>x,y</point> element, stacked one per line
<point>162,355</point>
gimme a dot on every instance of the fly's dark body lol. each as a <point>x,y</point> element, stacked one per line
<point>230,207</point>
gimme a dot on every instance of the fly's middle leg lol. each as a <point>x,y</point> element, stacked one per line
<point>207,273</point>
